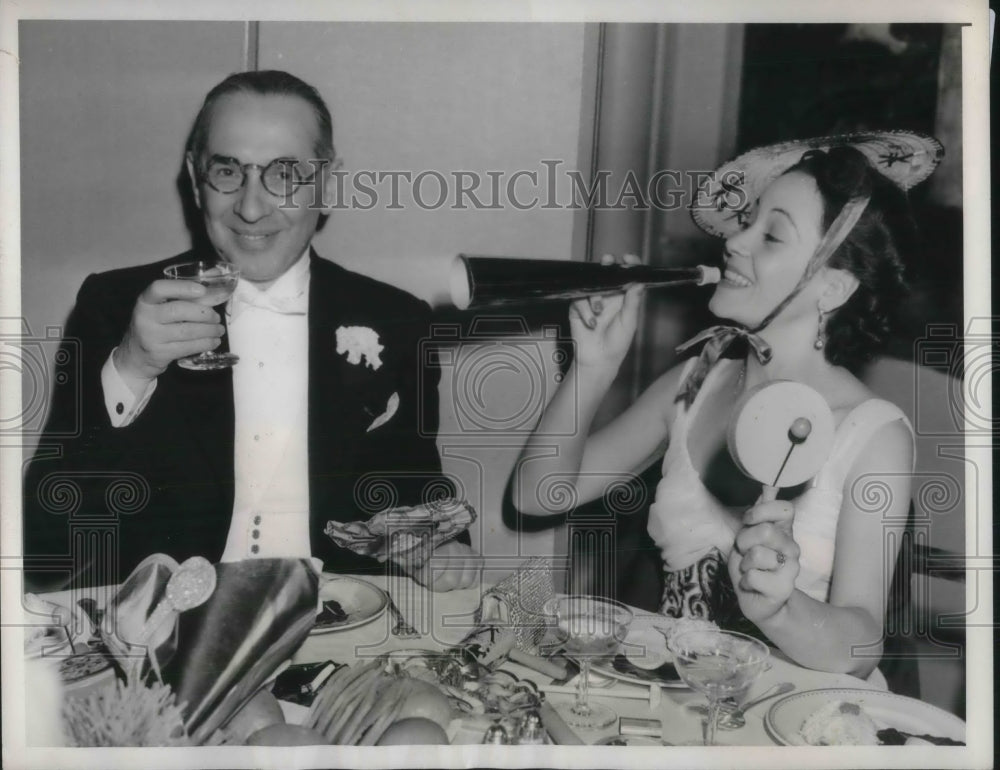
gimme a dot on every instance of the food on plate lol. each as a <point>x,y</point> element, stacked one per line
<point>261,711</point>
<point>890,736</point>
<point>413,731</point>
<point>839,723</point>
<point>331,613</point>
<point>677,626</point>
<point>75,669</point>
<point>286,735</point>
<point>646,647</point>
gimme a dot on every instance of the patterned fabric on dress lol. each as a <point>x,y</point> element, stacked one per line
<point>702,588</point>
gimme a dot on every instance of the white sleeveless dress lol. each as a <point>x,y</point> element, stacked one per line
<point>681,493</point>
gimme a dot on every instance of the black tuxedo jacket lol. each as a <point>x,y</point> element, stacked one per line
<point>98,499</point>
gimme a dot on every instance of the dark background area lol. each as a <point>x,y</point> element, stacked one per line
<point>802,80</point>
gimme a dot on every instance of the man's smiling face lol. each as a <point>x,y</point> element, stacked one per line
<point>261,233</point>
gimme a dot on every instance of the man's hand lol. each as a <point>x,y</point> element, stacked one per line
<point>764,561</point>
<point>452,565</point>
<point>167,323</point>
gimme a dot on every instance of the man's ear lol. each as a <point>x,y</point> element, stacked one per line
<point>328,186</point>
<point>839,285</point>
<point>193,178</point>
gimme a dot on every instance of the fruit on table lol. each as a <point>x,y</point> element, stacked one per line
<point>414,731</point>
<point>426,701</point>
<point>286,735</point>
<point>261,711</point>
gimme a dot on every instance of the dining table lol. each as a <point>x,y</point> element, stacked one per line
<point>444,619</point>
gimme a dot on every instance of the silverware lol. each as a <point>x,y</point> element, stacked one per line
<point>401,627</point>
<point>734,720</point>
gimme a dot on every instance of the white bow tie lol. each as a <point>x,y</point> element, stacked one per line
<point>245,297</point>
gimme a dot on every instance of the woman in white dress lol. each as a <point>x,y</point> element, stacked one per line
<point>816,239</point>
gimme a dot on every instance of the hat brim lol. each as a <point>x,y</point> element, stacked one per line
<point>906,158</point>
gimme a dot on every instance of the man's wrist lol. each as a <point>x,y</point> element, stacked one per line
<point>136,382</point>
<point>121,400</point>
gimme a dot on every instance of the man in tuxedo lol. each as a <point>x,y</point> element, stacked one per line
<point>328,415</point>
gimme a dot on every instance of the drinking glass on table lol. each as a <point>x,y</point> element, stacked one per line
<point>591,627</point>
<point>719,664</point>
<point>220,279</point>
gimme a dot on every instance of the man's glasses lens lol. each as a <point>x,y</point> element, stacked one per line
<point>280,177</point>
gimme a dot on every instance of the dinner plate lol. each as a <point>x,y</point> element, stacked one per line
<point>643,658</point>
<point>621,668</point>
<point>785,717</point>
<point>361,602</point>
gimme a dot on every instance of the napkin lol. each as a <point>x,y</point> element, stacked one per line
<point>404,534</point>
<point>130,608</point>
<point>259,614</point>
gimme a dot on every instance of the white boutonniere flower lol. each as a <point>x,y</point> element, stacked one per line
<point>360,342</point>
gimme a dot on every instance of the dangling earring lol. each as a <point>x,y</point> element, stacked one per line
<point>820,342</point>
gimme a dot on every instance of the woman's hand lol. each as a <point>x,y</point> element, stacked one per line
<point>452,565</point>
<point>603,325</point>
<point>764,561</point>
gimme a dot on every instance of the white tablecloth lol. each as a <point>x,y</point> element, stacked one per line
<point>445,618</point>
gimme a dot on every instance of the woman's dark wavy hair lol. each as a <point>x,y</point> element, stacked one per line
<point>264,83</point>
<point>876,252</point>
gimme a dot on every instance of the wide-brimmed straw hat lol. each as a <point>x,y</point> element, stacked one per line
<point>906,158</point>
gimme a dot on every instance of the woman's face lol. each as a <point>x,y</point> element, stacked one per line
<point>766,259</point>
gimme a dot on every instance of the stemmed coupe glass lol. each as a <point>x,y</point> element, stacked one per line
<point>719,664</point>
<point>220,279</point>
<point>591,627</point>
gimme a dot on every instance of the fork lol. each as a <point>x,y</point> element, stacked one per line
<point>401,627</point>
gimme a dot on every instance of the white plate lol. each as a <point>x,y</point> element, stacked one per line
<point>362,602</point>
<point>645,648</point>
<point>785,718</point>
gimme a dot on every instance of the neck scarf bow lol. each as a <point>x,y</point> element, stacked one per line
<point>719,338</point>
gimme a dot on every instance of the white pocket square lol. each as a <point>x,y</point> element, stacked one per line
<point>390,409</point>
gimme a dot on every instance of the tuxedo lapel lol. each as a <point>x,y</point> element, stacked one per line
<point>327,452</point>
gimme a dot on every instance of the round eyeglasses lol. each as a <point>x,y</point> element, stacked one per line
<point>280,177</point>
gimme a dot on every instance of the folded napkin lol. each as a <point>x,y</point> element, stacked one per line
<point>129,610</point>
<point>404,534</point>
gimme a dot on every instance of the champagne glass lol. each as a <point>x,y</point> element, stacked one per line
<point>719,664</point>
<point>220,279</point>
<point>592,627</point>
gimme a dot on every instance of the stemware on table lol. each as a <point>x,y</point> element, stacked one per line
<point>591,627</point>
<point>719,664</point>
